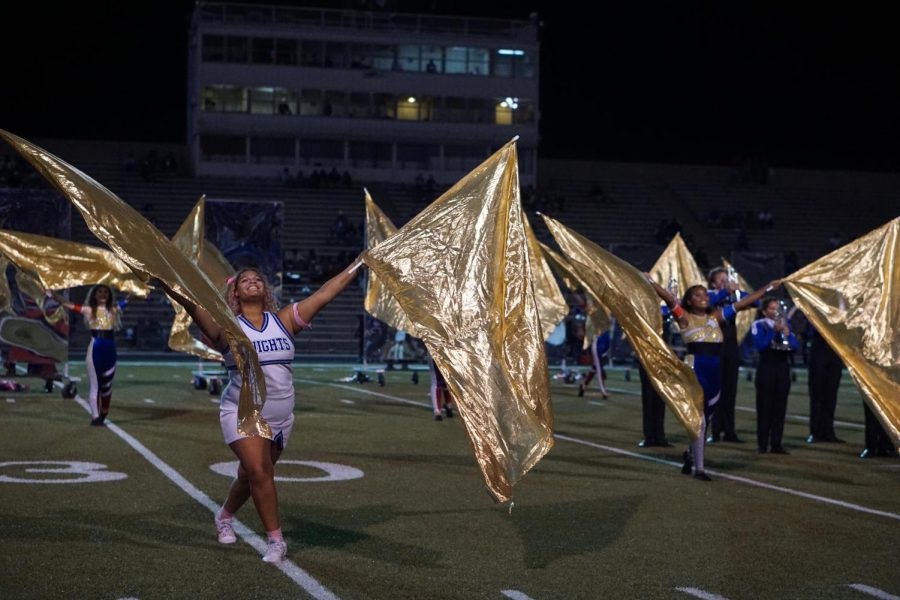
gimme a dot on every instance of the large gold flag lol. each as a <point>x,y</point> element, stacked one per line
<point>552,305</point>
<point>190,239</point>
<point>677,264</point>
<point>460,270</point>
<point>745,318</point>
<point>30,285</point>
<point>379,302</point>
<point>635,305</point>
<point>852,296</point>
<point>147,251</point>
<point>61,264</point>
<point>597,320</point>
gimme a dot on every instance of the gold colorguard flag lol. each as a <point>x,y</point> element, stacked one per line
<point>460,270</point>
<point>191,239</point>
<point>61,264</point>
<point>552,305</point>
<point>676,263</point>
<point>745,318</point>
<point>147,251</point>
<point>597,320</point>
<point>852,297</point>
<point>635,305</point>
<point>379,302</point>
<point>30,285</point>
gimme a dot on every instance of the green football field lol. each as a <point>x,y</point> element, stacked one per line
<point>380,501</point>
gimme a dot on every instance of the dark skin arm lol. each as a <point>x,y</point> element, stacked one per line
<point>204,321</point>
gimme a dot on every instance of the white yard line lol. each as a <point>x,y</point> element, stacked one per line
<point>871,591</point>
<point>298,575</point>
<point>698,593</point>
<point>614,450</point>
<point>516,595</point>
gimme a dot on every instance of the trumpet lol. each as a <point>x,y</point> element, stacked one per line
<point>781,319</point>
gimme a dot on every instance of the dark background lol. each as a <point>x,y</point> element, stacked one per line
<point>683,82</point>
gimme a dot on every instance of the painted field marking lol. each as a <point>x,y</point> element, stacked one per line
<point>698,593</point>
<point>516,595</point>
<point>872,591</point>
<point>614,450</point>
<point>149,401</point>
<point>289,568</point>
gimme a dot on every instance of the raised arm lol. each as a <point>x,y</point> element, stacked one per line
<point>61,300</point>
<point>747,301</point>
<point>202,318</point>
<point>670,300</point>
<point>308,308</point>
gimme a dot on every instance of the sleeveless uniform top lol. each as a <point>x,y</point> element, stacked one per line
<point>701,328</point>
<point>103,320</point>
<point>275,347</point>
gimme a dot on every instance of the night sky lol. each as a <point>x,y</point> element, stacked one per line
<point>680,82</point>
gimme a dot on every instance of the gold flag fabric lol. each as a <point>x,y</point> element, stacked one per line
<point>190,239</point>
<point>460,270</point>
<point>147,251</point>
<point>635,305</point>
<point>379,302</point>
<point>5,292</point>
<point>678,264</point>
<point>852,296</point>
<point>61,264</point>
<point>598,319</point>
<point>552,305</point>
<point>745,318</point>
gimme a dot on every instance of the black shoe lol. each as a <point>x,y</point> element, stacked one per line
<point>812,439</point>
<point>762,450</point>
<point>866,453</point>
<point>835,439</point>
<point>702,476</point>
<point>734,439</point>
<point>448,411</point>
<point>688,463</point>
<point>438,418</point>
<point>664,443</point>
<point>48,386</point>
<point>712,439</point>
<point>580,390</point>
<point>647,443</point>
<point>779,450</point>
<point>98,422</point>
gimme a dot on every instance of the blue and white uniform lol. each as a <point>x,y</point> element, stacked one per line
<point>275,346</point>
<point>101,355</point>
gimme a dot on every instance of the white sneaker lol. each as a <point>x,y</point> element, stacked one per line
<point>226,532</point>
<point>276,551</point>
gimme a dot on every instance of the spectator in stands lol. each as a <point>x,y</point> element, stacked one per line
<point>284,176</point>
<point>431,67</point>
<point>283,107</point>
<point>346,180</point>
<point>430,186</point>
<point>130,163</point>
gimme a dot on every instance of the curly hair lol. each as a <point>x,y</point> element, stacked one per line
<point>270,304</point>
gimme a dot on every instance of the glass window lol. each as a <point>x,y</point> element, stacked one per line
<point>463,157</point>
<point>360,56</point>
<point>224,98</point>
<point>311,103</point>
<point>316,152</point>
<point>503,114</point>
<point>525,65</point>
<point>335,104</point>
<point>454,111</point>
<point>286,52</point>
<point>263,50</point>
<point>262,101</point>
<point>335,54</point>
<point>503,63</point>
<point>238,49</point>
<point>311,53</point>
<point>385,106</point>
<point>272,150</point>
<point>419,157</point>
<point>455,60</point>
<point>432,59</point>
<point>479,61</point>
<point>370,154</point>
<point>481,110</point>
<point>384,57</point>
<point>360,106</point>
<point>408,58</point>
<point>213,48</point>
<point>408,108</point>
<point>222,148</point>
<point>525,113</point>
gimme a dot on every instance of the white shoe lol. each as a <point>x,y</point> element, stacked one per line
<point>226,532</point>
<point>276,551</point>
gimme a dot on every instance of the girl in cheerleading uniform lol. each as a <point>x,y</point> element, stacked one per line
<point>272,333</point>
<point>102,314</point>
<point>700,329</point>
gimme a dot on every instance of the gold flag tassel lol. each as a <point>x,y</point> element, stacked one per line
<point>147,251</point>
<point>852,296</point>
<point>461,272</point>
<point>635,305</point>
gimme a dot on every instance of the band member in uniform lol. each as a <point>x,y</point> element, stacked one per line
<point>773,338</point>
